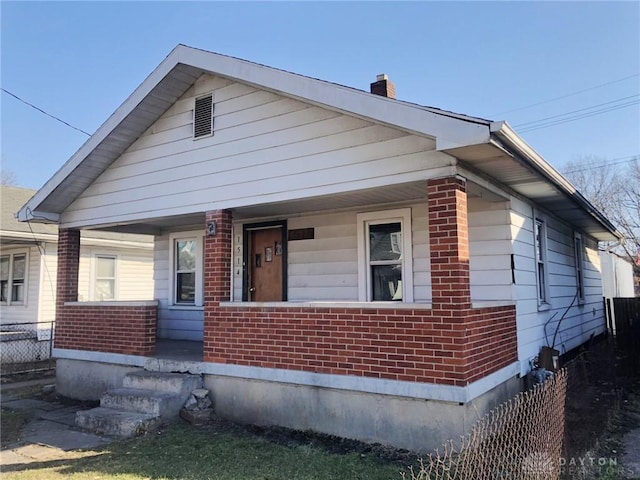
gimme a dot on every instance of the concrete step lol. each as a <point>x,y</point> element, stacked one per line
<point>166,405</point>
<point>180,383</point>
<point>146,399</point>
<point>117,423</point>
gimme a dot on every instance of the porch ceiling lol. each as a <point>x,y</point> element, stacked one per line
<point>364,199</point>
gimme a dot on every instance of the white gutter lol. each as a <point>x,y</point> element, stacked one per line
<point>523,152</point>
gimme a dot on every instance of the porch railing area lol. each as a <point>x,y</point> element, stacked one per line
<point>112,327</point>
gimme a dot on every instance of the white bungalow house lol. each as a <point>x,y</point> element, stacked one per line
<point>112,267</point>
<point>348,262</point>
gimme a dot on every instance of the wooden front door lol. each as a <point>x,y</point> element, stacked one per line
<point>265,257</point>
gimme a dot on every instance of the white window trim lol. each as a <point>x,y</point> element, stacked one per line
<point>198,236</point>
<point>401,215</point>
<point>579,265</point>
<point>543,303</point>
<point>10,282</point>
<point>93,271</point>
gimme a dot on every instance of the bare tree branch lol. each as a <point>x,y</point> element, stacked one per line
<point>8,177</point>
<point>615,191</point>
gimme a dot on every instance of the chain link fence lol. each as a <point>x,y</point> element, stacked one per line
<point>520,439</point>
<point>26,347</point>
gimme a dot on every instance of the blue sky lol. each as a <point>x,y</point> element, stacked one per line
<point>80,60</point>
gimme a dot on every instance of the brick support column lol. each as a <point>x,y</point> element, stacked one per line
<point>217,259</point>
<point>217,280</point>
<point>449,243</point>
<point>68,264</point>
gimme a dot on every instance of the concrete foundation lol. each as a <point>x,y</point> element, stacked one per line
<point>415,424</point>
<point>411,422</point>
<point>84,380</point>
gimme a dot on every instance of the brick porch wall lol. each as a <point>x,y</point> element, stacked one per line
<point>130,330</point>
<point>451,343</point>
<point>397,344</point>
<point>122,329</point>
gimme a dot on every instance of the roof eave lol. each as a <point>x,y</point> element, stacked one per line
<point>508,138</point>
<point>30,211</point>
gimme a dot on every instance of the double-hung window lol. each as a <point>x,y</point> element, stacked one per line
<point>186,269</point>
<point>540,234</point>
<point>13,277</point>
<point>579,259</point>
<point>104,286</point>
<point>385,256</point>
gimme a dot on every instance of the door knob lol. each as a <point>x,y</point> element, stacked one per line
<point>252,289</point>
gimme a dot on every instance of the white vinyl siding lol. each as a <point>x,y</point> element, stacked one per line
<point>490,251</point>
<point>581,321</point>
<point>47,284</point>
<point>266,148</point>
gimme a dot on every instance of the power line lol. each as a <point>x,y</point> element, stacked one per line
<point>613,161</point>
<point>42,111</point>
<point>576,111</point>
<point>567,95</point>
<point>579,117</point>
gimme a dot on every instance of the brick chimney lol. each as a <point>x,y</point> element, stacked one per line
<point>383,86</point>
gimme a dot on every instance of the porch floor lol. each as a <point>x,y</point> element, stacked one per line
<point>182,350</point>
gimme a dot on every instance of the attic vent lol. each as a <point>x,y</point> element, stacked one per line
<point>203,117</point>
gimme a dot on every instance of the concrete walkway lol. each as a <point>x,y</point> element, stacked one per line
<point>50,434</point>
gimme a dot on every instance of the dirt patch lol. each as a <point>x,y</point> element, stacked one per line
<point>9,378</point>
<point>602,392</point>
<point>328,443</point>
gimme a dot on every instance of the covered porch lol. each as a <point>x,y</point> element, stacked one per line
<point>439,335</point>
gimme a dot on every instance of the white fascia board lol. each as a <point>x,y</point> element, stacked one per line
<point>94,141</point>
<point>448,131</point>
<point>506,134</point>
<point>27,214</point>
<point>40,237</point>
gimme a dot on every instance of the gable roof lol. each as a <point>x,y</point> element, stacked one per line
<point>474,140</point>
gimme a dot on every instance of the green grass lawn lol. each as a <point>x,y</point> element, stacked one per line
<point>185,452</point>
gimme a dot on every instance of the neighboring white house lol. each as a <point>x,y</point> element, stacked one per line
<point>617,275</point>
<point>617,281</point>
<point>352,263</point>
<point>113,267</point>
